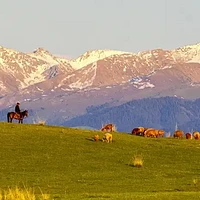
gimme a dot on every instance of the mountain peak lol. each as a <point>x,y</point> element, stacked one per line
<point>41,50</point>
<point>92,56</point>
<point>188,53</point>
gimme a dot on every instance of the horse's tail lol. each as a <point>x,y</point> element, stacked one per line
<point>8,116</point>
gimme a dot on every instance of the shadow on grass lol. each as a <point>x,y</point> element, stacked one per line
<point>92,140</point>
<point>100,140</point>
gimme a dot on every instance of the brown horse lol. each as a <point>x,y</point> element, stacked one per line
<point>13,115</point>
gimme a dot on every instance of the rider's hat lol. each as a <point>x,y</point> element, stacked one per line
<point>18,103</point>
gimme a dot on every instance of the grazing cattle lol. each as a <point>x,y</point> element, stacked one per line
<point>188,136</point>
<point>196,135</point>
<point>107,138</point>
<point>135,131</point>
<point>178,134</point>
<point>108,128</point>
<point>141,129</point>
<point>151,132</point>
<point>161,133</point>
<point>138,131</point>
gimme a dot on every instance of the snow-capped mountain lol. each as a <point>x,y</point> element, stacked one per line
<point>120,68</point>
<point>92,56</point>
<point>48,83</point>
<point>189,53</point>
<point>20,70</point>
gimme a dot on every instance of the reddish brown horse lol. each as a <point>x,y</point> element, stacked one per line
<point>13,115</point>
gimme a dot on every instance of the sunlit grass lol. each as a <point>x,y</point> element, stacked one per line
<point>136,161</point>
<point>17,193</point>
<point>68,164</point>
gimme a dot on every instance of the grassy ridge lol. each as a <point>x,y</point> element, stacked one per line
<point>67,164</point>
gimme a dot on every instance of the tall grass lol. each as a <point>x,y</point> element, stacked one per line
<point>136,161</point>
<point>39,121</point>
<point>21,194</point>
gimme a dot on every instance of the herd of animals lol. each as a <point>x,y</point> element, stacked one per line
<point>108,128</point>
<point>151,132</point>
<point>107,137</point>
<point>145,132</point>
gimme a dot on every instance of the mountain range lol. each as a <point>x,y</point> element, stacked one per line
<point>57,90</point>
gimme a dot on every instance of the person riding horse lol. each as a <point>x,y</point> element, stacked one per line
<point>17,109</point>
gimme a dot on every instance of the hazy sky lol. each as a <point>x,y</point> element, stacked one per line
<point>71,27</point>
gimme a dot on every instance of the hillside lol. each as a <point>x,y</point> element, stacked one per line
<point>67,164</point>
<point>162,113</point>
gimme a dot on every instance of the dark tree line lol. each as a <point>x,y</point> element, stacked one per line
<point>162,113</point>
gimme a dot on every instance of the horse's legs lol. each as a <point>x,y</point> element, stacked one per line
<point>21,121</point>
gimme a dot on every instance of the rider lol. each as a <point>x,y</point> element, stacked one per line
<point>17,109</point>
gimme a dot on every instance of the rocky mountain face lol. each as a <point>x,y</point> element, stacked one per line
<point>19,70</point>
<point>57,89</point>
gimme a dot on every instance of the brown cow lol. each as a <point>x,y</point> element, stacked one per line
<point>161,133</point>
<point>138,131</point>
<point>151,132</point>
<point>108,128</point>
<point>188,136</point>
<point>178,134</point>
<point>135,131</point>
<point>141,129</point>
<point>196,135</point>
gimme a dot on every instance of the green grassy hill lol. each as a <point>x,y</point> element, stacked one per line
<point>68,164</point>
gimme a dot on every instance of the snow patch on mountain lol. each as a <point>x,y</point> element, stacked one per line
<point>80,84</point>
<point>167,67</point>
<point>1,61</point>
<point>34,77</point>
<point>189,53</point>
<point>124,70</point>
<point>195,59</point>
<point>46,56</point>
<point>93,56</point>
<point>141,82</point>
<point>2,86</point>
<point>39,89</point>
<point>144,85</point>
